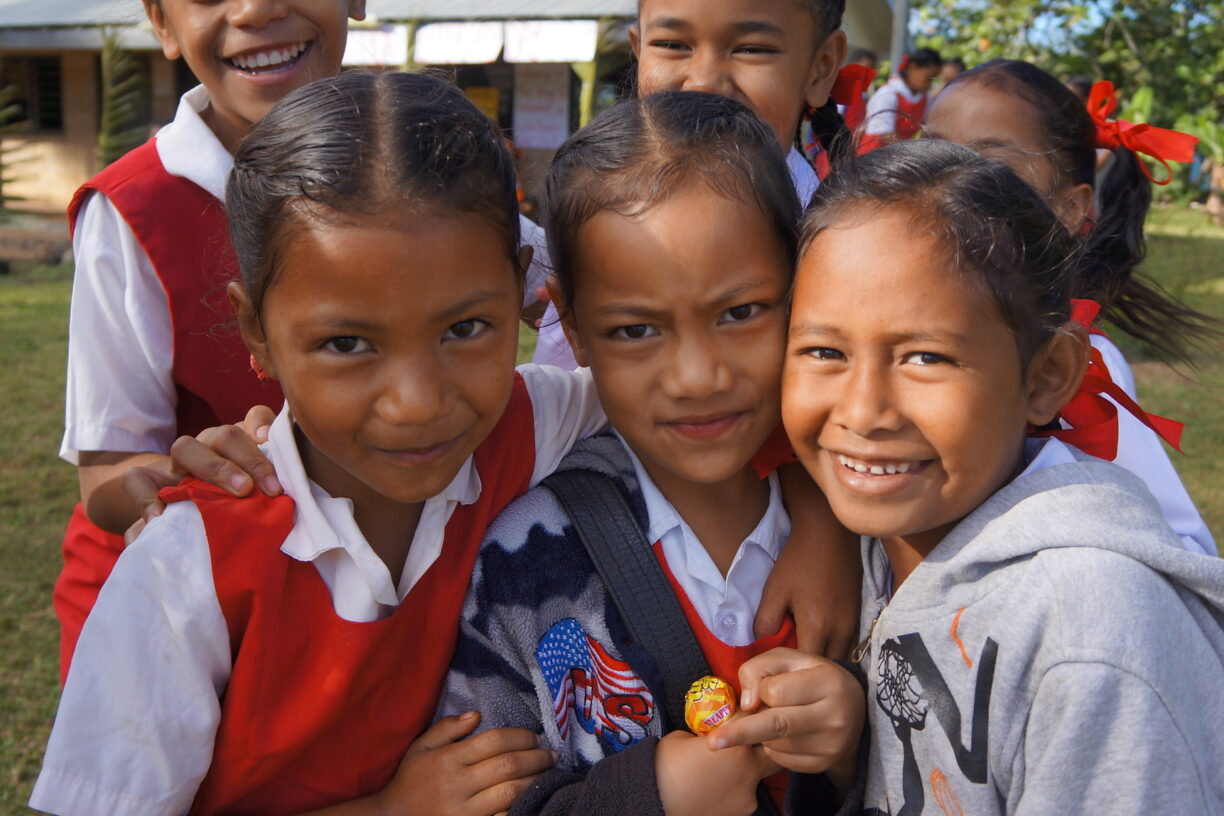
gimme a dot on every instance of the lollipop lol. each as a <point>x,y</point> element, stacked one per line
<point>708,703</point>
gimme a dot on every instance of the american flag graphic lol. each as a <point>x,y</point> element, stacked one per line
<point>607,698</point>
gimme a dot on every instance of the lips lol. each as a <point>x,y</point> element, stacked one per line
<point>419,457</point>
<point>876,476</point>
<point>705,427</point>
<point>268,59</point>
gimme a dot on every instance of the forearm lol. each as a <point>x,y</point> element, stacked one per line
<point>621,783</point>
<point>102,490</point>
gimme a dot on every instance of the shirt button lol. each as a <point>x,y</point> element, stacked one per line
<point>728,621</point>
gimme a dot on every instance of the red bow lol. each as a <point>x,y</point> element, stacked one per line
<point>1092,417</point>
<point>1162,145</point>
<point>853,81</point>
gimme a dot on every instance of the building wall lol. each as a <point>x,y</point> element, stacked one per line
<point>56,164</point>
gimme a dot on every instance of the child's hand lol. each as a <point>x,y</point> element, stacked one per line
<point>227,456</point>
<point>480,776</point>
<point>809,714</point>
<point>817,578</point>
<point>695,780</point>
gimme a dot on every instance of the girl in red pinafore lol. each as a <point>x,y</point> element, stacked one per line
<point>896,111</point>
<point>145,360</point>
<point>280,655</point>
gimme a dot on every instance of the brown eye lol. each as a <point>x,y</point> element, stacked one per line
<point>346,345</point>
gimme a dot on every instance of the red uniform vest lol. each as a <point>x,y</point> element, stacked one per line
<point>183,230</point>
<point>910,116</point>
<point>725,661</point>
<point>320,710</point>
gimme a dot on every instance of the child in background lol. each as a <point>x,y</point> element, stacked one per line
<point>897,110</point>
<point>1021,115</point>
<point>778,57</point>
<point>672,222</point>
<point>278,655</point>
<point>1037,641</point>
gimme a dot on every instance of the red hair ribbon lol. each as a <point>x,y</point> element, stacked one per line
<point>853,81</point>
<point>903,64</point>
<point>1092,417</point>
<point>1161,144</point>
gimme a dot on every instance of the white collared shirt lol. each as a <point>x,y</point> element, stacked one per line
<point>882,107</point>
<point>139,713</point>
<point>727,605</point>
<point>553,348</point>
<point>120,389</point>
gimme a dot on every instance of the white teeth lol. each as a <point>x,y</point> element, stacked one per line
<point>266,59</point>
<point>875,470</point>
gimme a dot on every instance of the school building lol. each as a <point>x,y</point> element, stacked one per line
<point>539,67</point>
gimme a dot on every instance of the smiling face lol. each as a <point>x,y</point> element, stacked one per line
<point>251,53</point>
<point>395,348</point>
<point>679,312</point>
<point>766,54</point>
<point>903,393</point>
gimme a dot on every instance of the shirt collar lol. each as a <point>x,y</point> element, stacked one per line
<point>897,83</point>
<point>804,177</point>
<point>323,522</point>
<point>770,533</point>
<point>189,149</point>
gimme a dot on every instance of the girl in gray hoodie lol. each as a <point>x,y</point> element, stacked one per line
<point>1036,641</point>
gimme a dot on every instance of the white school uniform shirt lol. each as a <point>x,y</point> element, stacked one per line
<point>727,605</point>
<point>120,392</point>
<point>138,717</point>
<point>882,107</point>
<point>1142,453</point>
<point>552,348</point>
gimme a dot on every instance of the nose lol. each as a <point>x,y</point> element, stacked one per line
<point>706,72</point>
<point>696,371</point>
<point>866,405</point>
<point>255,13</point>
<point>416,392</point>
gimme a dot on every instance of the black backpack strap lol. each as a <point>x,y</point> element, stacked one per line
<point>625,560</point>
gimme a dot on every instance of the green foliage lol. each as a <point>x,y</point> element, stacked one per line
<point>1170,46</point>
<point>122,125</point>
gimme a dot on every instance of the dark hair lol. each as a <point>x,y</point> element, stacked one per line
<point>640,151</point>
<point>956,62</point>
<point>1115,247</point>
<point>857,55</point>
<point>828,127</point>
<point>923,58</point>
<point>1081,86</point>
<point>386,145</point>
<point>995,228</point>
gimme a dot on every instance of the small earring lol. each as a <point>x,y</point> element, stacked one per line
<point>260,374</point>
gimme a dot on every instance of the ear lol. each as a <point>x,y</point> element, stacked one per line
<point>1056,373</point>
<point>829,59</point>
<point>252,330</point>
<point>569,324</point>
<point>357,9</point>
<point>1075,207</point>
<point>635,40</point>
<point>162,29</point>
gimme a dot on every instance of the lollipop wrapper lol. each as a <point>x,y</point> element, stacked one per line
<point>708,703</point>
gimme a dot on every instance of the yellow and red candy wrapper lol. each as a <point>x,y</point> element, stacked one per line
<point>708,703</point>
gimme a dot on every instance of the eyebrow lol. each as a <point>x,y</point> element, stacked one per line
<point>449,314</point>
<point>803,329</point>
<point>636,310</point>
<point>461,308</point>
<point>740,27</point>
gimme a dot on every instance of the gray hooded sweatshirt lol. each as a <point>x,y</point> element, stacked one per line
<point>1059,652</point>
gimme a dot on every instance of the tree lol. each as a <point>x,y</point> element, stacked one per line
<point>123,124</point>
<point>1172,46</point>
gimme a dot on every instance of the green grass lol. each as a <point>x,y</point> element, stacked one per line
<point>37,490</point>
